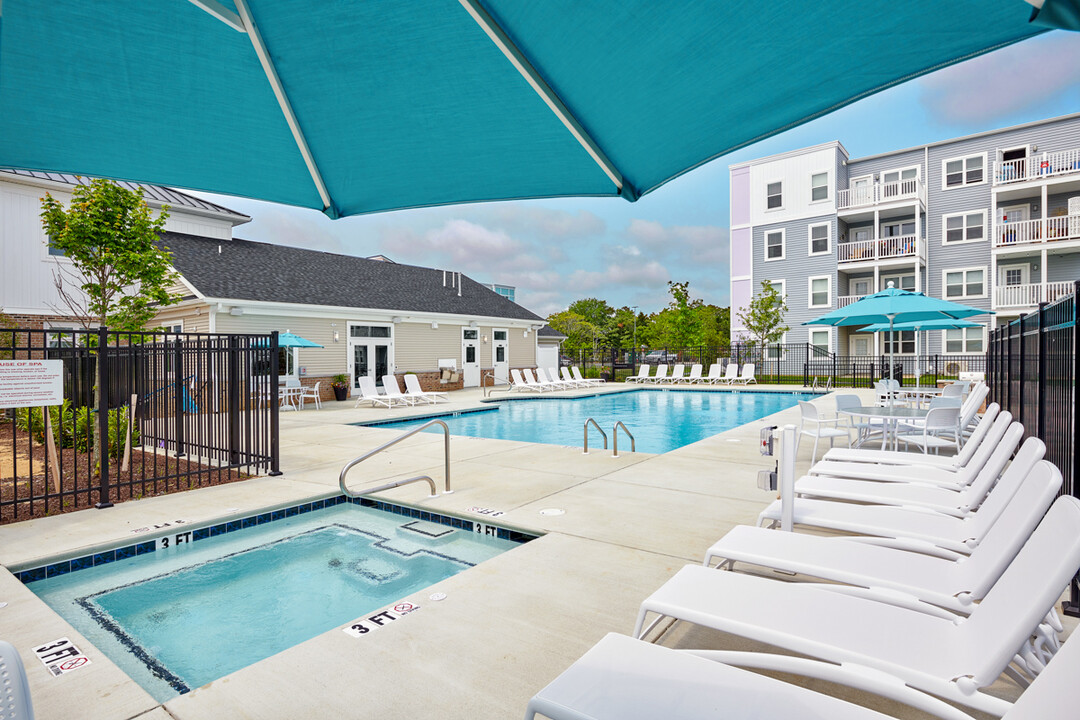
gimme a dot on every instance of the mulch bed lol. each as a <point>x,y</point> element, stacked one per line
<point>149,474</point>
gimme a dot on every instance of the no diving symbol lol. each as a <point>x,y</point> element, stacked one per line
<point>403,607</point>
<point>73,663</point>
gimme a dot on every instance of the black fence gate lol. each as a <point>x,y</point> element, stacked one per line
<point>1034,364</point>
<point>175,411</point>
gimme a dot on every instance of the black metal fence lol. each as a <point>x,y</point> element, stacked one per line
<point>173,411</point>
<point>1034,363</point>
<point>787,363</point>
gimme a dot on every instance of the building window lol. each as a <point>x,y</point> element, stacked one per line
<point>819,239</point>
<point>900,343</point>
<point>964,340</point>
<point>774,195</point>
<point>901,282</point>
<point>53,250</point>
<point>470,334</point>
<point>498,335</point>
<point>774,245</point>
<point>820,292</point>
<point>819,341</point>
<point>819,187</point>
<point>963,171</point>
<point>965,283</point>
<point>778,286</point>
<point>363,331</point>
<point>965,227</point>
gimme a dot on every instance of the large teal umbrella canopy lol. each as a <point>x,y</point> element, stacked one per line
<point>892,306</point>
<point>356,107</point>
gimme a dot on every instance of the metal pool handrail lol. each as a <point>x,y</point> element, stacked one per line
<point>586,441</point>
<point>615,436</point>
<point>493,389</point>
<point>396,483</point>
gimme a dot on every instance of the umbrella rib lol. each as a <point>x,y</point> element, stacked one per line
<point>221,12</point>
<point>283,101</point>
<point>546,93</point>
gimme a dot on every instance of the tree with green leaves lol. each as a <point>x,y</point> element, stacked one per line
<point>119,275</point>
<point>764,316</point>
<point>596,312</point>
<point>580,333</point>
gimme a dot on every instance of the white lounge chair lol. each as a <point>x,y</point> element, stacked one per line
<point>519,384</point>
<point>695,374</point>
<point>676,374</point>
<point>660,376</point>
<point>747,375</point>
<point>930,574</point>
<point>593,381</point>
<point>569,379</point>
<point>311,393</point>
<point>960,535</point>
<point>414,391</point>
<point>642,375</point>
<point>370,393</point>
<point>927,648</point>
<point>538,380</point>
<point>820,429</point>
<point>551,375</point>
<point>392,391</point>
<point>15,689</point>
<point>957,500</point>
<point>716,374</point>
<point>731,374</point>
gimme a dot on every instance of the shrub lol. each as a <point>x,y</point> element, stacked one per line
<point>118,420</point>
<point>32,420</point>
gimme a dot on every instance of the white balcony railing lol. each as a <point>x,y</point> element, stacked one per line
<point>845,300</point>
<point>1030,294</point>
<point>1008,234</point>
<point>880,249</point>
<point>879,193</point>
<point>1042,165</point>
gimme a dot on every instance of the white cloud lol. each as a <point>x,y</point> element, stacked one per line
<point>695,245</point>
<point>460,245</point>
<point>1003,82</point>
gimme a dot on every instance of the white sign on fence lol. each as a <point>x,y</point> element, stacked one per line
<point>31,383</point>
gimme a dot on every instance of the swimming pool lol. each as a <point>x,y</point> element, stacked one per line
<point>191,612</point>
<point>660,420</point>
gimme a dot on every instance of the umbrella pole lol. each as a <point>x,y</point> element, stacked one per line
<point>892,358</point>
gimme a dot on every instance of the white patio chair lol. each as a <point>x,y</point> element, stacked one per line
<point>418,394</point>
<point>311,393</point>
<point>940,496</point>
<point>930,574</point>
<point>520,385</point>
<point>676,374</point>
<point>929,649</point>
<point>14,687</point>
<point>393,393</point>
<point>643,374</point>
<point>577,376</point>
<point>747,375</point>
<point>960,535</point>
<point>370,393</point>
<point>863,428</point>
<point>716,374</point>
<point>660,376</point>
<point>731,374</point>
<point>695,374</point>
<point>820,429</point>
<point>938,422</point>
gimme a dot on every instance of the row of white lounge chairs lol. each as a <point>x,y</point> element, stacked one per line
<point>392,396</point>
<point>549,379</point>
<point>730,376</point>
<point>947,581</point>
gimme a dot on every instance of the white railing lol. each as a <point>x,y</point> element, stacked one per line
<point>1037,166</point>
<point>879,249</point>
<point>845,300</point>
<point>880,193</point>
<point>1066,227</point>
<point>1030,294</point>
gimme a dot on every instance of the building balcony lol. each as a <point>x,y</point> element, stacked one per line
<point>889,248</point>
<point>1037,167</point>
<point>845,300</point>
<point>861,198</point>
<point>1026,232</point>
<point>1030,294</point>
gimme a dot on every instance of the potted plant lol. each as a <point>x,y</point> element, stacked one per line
<point>340,383</point>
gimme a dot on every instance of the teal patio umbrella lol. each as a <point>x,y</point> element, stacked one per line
<point>291,340</point>
<point>921,325</point>
<point>358,107</point>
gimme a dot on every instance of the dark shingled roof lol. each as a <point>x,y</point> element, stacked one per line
<point>245,270</point>
<point>548,331</point>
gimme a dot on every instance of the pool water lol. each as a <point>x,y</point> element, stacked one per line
<point>177,619</point>
<point>660,420</point>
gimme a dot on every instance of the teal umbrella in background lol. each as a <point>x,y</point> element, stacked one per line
<point>358,107</point>
<point>921,325</point>
<point>291,340</point>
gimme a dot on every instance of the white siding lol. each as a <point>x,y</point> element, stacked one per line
<point>795,173</point>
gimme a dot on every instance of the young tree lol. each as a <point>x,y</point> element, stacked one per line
<point>764,317</point>
<point>121,272</point>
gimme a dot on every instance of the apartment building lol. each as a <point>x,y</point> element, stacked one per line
<point>990,220</point>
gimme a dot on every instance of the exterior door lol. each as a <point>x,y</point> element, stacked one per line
<point>470,357</point>
<point>1016,213</point>
<point>361,365</point>
<point>859,344</point>
<point>860,191</point>
<point>898,182</point>
<point>1014,274</point>
<point>500,355</point>
<point>370,353</point>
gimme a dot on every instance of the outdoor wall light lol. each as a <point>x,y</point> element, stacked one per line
<point>483,339</point>
<point>335,336</point>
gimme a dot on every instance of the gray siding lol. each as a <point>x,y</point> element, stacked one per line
<point>878,165</point>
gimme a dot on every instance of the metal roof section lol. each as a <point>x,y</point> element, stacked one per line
<point>154,194</point>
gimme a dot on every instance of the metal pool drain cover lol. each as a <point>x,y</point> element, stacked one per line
<point>552,511</point>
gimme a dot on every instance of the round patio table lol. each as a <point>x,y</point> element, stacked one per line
<point>889,416</point>
<point>918,395</point>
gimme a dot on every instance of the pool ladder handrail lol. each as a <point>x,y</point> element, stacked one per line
<point>489,390</point>
<point>397,483</point>
<point>615,435</point>
<point>585,443</point>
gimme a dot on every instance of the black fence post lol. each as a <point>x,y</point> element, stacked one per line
<point>275,407</point>
<point>1072,607</point>
<point>1020,373</point>
<point>178,395</point>
<point>1040,386</point>
<point>104,489</point>
<point>233,375</point>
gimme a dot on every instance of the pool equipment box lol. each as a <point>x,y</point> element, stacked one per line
<point>31,383</point>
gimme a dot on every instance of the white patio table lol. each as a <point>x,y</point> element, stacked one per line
<point>889,416</point>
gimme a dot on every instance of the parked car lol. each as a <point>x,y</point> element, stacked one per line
<point>564,361</point>
<point>659,356</point>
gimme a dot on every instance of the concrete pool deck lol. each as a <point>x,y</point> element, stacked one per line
<point>506,628</point>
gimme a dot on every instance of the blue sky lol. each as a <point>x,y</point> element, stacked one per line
<point>556,251</point>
